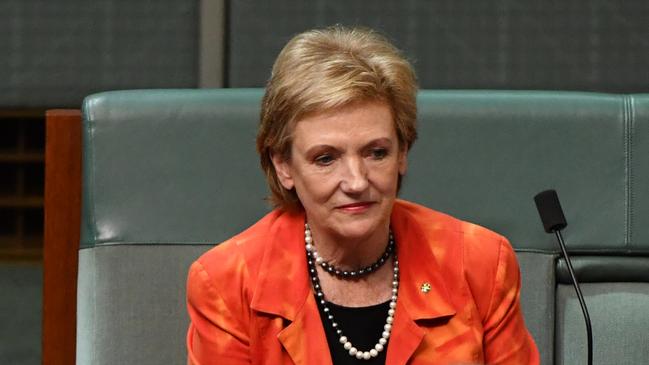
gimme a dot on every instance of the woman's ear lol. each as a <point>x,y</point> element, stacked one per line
<point>283,171</point>
<point>403,161</point>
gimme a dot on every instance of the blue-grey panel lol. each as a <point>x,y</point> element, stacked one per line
<point>53,53</point>
<point>618,312</point>
<point>537,299</point>
<point>483,155</point>
<point>171,166</point>
<point>639,170</point>
<point>131,306</point>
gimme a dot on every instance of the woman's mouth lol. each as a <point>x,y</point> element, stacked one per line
<point>359,207</point>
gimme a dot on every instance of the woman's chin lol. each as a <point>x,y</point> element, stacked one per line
<point>357,229</point>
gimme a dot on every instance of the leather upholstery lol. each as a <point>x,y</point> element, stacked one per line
<point>152,157</point>
<point>603,269</point>
<point>176,171</point>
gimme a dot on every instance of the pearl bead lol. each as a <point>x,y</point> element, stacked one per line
<point>319,260</point>
<point>391,312</point>
<point>353,351</point>
<point>387,326</point>
<point>348,345</point>
<point>393,305</point>
<point>385,334</point>
<point>378,347</point>
<point>366,355</point>
<point>383,341</point>
<point>359,355</point>
<point>389,320</point>
<point>343,339</point>
<point>374,353</point>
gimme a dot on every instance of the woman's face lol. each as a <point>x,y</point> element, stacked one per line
<point>344,167</point>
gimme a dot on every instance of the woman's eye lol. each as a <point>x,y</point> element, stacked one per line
<point>324,160</point>
<point>379,153</point>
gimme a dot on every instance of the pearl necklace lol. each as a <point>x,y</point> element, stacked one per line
<point>344,341</point>
<point>347,274</point>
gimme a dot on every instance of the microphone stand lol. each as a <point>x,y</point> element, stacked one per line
<point>582,302</point>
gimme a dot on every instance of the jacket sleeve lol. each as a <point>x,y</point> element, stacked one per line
<point>215,335</point>
<point>506,339</point>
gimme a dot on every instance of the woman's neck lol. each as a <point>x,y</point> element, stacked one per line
<point>349,253</point>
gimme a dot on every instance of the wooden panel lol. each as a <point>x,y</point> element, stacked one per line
<point>62,229</point>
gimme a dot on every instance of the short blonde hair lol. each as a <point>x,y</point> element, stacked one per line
<point>323,69</point>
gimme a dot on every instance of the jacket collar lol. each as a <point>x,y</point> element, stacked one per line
<point>283,282</point>
<point>418,266</point>
<point>283,288</point>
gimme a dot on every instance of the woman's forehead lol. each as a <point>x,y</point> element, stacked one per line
<point>368,120</point>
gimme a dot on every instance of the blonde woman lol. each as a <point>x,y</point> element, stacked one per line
<point>343,272</point>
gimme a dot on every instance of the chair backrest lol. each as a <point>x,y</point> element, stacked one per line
<point>168,173</point>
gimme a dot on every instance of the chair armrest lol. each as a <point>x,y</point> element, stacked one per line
<point>61,234</point>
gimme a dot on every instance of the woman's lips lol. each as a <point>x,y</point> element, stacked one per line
<point>355,207</point>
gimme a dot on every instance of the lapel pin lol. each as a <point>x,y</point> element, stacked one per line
<point>425,288</point>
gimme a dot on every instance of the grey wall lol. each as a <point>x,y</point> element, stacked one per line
<point>598,45</point>
<point>20,313</point>
<point>53,53</point>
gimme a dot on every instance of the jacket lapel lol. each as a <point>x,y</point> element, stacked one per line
<point>423,296</point>
<point>283,289</point>
<point>304,338</point>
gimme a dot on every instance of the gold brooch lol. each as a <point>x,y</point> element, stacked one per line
<point>425,288</point>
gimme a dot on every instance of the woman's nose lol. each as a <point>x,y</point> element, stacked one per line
<point>354,179</point>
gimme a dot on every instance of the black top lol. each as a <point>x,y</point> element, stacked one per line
<point>363,326</point>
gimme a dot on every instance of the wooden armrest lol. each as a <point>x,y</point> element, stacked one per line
<point>61,235</point>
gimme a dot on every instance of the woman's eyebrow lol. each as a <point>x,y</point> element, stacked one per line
<point>385,140</point>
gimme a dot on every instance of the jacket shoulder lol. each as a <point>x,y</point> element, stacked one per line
<point>488,261</point>
<point>434,220</point>
<point>241,254</point>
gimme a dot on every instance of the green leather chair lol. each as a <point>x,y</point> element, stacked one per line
<point>169,173</point>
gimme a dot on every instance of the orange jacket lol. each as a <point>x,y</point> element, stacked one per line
<point>250,299</point>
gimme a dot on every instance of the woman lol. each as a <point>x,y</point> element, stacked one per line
<point>341,271</point>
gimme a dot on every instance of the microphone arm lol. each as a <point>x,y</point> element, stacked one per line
<point>547,203</point>
<point>582,302</point>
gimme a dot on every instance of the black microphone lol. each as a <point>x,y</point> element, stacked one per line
<point>547,203</point>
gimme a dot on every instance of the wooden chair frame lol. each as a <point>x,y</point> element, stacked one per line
<point>61,235</point>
